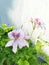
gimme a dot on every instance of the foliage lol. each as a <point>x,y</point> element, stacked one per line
<point>41,53</point>
<point>24,56</point>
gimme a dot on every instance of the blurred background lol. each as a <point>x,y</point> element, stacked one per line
<point>4,6</point>
<point>17,12</point>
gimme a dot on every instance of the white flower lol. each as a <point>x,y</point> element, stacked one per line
<point>36,34</point>
<point>27,26</point>
<point>46,36</point>
<point>38,29</point>
<point>45,49</point>
<point>18,39</point>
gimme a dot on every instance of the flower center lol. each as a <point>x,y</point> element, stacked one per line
<point>16,35</point>
<point>37,21</point>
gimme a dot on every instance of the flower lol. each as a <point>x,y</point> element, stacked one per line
<point>45,49</point>
<point>18,39</point>
<point>39,23</point>
<point>37,20</point>
<point>38,29</point>
<point>36,34</point>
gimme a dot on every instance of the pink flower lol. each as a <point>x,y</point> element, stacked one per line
<point>18,39</point>
<point>39,23</point>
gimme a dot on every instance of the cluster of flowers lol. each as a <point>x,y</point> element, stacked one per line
<point>18,37</point>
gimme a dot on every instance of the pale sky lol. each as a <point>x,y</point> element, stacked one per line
<point>22,10</point>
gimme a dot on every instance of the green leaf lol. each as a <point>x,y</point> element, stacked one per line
<point>23,62</point>
<point>26,62</point>
<point>4,25</point>
<point>1,31</point>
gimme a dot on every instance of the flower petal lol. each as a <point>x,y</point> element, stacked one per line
<point>21,33</point>
<point>27,27</point>
<point>9,43</point>
<point>45,49</point>
<point>36,33</point>
<point>14,47</point>
<point>10,34</point>
<point>27,37</point>
<point>23,43</point>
